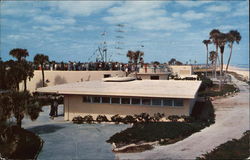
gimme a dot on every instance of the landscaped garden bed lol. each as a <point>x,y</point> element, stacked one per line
<point>234,149</point>
<point>144,135</point>
<point>18,143</point>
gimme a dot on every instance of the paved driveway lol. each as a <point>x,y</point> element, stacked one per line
<point>65,140</point>
<point>232,119</point>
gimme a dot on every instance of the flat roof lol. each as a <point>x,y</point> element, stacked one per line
<point>137,88</point>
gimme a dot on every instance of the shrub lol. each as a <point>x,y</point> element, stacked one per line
<point>143,117</point>
<point>77,120</point>
<point>129,119</point>
<point>173,118</point>
<point>101,118</point>
<point>206,83</point>
<point>88,119</point>
<point>116,118</point>
<point>158,116</point>
<point>188,118</point>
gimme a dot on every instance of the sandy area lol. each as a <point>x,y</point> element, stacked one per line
<point>232,119</point>
<point>243,72</point>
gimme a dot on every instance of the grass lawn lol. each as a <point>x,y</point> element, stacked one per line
<point>234,149</point>
<point>18,143</point>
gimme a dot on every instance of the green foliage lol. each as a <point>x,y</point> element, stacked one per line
<point>88,119</point>
<point>214,91</point>
<point>129,119</point>
<point>18,104</point>
<point>116,118</point>
<point>204,112</point>
<point>234,149</point>
<point>158,116</point>
<point>188,119</point>
<point>205,82</point>
<point>101,118</point>
<point>149,132</point>
<point>143,117</point>
<point>174,118</point>
<point>18,143</point>
<point>77,120</point>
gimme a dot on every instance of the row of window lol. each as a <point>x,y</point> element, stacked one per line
<point>134,101</point>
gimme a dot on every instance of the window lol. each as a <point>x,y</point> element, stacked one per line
<point>86,99</point>
<point>125,100</point>
<point>178,102</point>
<point>156,101</point>
<point>106,75</point>
<point>96,99</point>
<point>154,77</point>
<point>115,100</point>
<point>167,102</point>
<point>146,101</point>
<point>136,101</point>
<point>105,100</point>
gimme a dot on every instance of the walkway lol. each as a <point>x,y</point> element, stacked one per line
<point>232,119</point>
<point>67,141</point>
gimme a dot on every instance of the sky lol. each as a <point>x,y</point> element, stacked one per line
<point>73,30</point>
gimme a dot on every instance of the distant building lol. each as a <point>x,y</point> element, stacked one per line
<point>126,98</point>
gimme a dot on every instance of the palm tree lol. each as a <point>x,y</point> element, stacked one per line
<point>134,57</point>
<point>232,36</point>
<point>207,42</point>
<point>28,72</point>
<point>20,104</point>
<point>222,39</point>
<point>19,53</point>
<point>41,59</point>
<point>5,108</point>
<point>214,37</point>
<point>212,57</point>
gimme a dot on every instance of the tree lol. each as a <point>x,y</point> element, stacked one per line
<point>134,57</point>
<point>19,104</point>
<point>41,59</point>
<point>13,74</point>
<point>232,36</point>
<point>19,53</point>
<point>222,39</point>
<point>28,72</point>
<point>214,37</point>
<point>212,57</point>
<point>206,42</point>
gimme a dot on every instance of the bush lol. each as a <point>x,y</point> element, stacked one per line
<point>206,83</point>
<point>158,116</point>
<point>188,119</point>
<point>129,119</point>
<point>77,120</point>
<point>88,119</point>
<point>173,118</point>
<point>116,118</point>
<point>101,118</point>
<point>143,117</point>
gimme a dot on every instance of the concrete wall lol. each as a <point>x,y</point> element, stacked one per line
<point>182,69</point>
<point>147,76</point>
<point>61,77</point>
<point>73,106</point>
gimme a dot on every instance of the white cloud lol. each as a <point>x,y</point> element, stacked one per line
<point>190,15</point>
<point>242,9</point>
<point>81,8</point>
<point>50,28</point>
<point>145,15</point>
<point>192,3</point>
<point>45,19</point>
<point>218,8</point>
